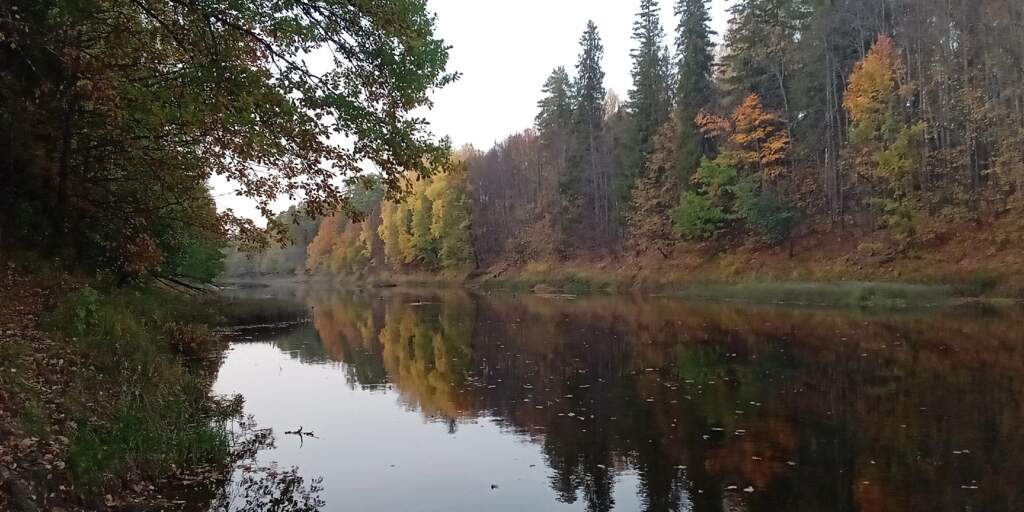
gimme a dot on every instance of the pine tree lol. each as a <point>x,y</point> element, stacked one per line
<point>695,67</point>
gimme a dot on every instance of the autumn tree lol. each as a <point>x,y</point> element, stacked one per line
<point>450,216</point>
<point>743,185</point>
<point>884,147</point>
<point>429,229</point>
<point>393,231</point>
<point>655,194</point>
<point>759,142</point>
<point>344,245</point>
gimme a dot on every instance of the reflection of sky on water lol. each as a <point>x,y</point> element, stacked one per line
<point>378,454</point>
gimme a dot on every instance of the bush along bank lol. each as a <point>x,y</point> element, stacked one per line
<point>105,395</point>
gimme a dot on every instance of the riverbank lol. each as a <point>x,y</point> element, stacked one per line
<point>105,395</point>
<point>942,264</point>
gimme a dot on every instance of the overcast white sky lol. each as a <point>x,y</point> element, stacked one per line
<point>505,51</point>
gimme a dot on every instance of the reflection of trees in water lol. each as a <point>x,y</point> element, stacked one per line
<point>258,487</point>
<point>802,405</point>
<point>348,324</point>
<point>427,353</point>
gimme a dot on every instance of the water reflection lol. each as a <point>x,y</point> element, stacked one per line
<point>664,405</point>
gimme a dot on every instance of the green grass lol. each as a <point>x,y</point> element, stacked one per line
<point>142,409</point>
<point>850,294</point>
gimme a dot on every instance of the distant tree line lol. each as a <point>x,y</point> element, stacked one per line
<point>425,229</point>
<point>848,113</point>
<point>810,116</point>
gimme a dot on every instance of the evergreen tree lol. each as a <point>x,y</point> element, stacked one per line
<point>554,125</point>
<point>761,47</point>
<point>585,185</point>
<point>649,99</point>
<point>555,115</point>
<point>694,92</point>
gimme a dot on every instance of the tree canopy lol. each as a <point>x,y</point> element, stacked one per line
<point>117,113</point>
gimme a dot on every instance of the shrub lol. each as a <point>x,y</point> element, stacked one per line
<point>767,217</point>
<point>697,218</point>
<point>156,412</point>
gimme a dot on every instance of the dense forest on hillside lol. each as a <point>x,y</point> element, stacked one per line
<point>843,116</point>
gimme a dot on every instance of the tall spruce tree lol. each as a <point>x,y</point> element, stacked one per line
<point>555,108</point>
<point>649,99</point>
<point>760,49</point>
<point>694,92</point>
<point>585,186</point>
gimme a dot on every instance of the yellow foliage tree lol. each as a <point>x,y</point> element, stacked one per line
<point>883,147</point>
<point>759,139</point>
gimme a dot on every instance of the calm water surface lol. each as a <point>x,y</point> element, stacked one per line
<point>451,401</point>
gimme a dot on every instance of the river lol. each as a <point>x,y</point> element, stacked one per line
<point>459,401</point>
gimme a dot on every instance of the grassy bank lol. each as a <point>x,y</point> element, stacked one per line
<point>114,387</point>
<point>589,278</point>
<point>144,352</point>
<point>844,294</point>
<point>944,263</point>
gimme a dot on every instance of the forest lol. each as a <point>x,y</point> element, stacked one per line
<point>841,117</point>
<point>857,153</point>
